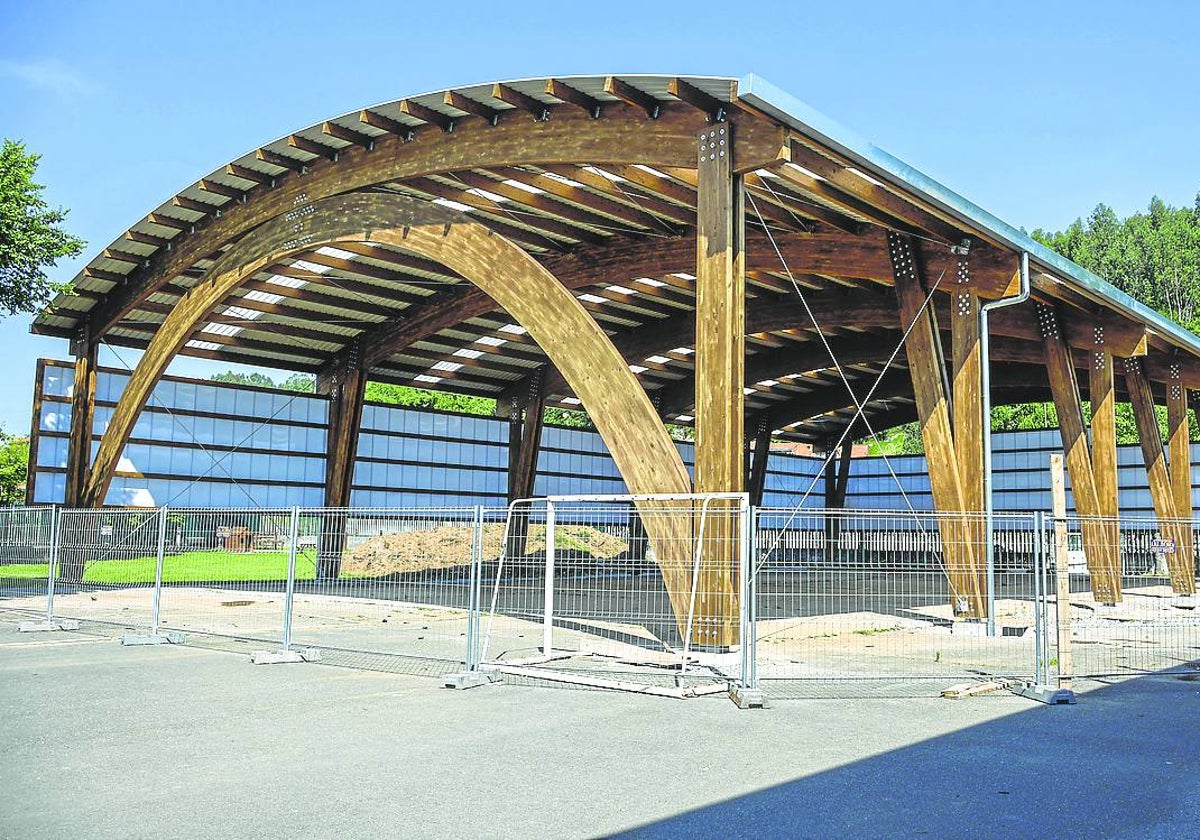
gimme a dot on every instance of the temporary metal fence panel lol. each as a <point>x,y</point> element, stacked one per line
<point>1154,628</point>
<point>389,588</point>
<point>636,593</point>
<point>106,568</point>
<point>872,601</point>
<point>224,575</point>
<point>26,548</point>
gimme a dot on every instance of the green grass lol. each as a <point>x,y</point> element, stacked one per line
<point>24,571</point>
<point>189,567</point>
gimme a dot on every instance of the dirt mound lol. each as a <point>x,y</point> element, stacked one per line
<point>450,545</point>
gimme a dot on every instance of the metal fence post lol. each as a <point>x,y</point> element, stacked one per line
<point>1039,604</point>
<point>55,525</point>
<point>548,618</point>
<point>290,590</point>
<point>156,610</point>
<point>747,694</point>
<point>473,653</point>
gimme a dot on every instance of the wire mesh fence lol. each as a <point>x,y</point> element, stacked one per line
<point>664,595</point>
<point>26,548</point>
<point>224,575</point>
<point>389,588</point>
<point>911,599</point>
<point>1148,622</point>
<point>637,592</point>
<point>105,571</point>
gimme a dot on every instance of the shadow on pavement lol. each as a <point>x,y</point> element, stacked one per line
<point>1123,763</point>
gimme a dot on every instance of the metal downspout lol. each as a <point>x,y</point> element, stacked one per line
<point>986,387</point>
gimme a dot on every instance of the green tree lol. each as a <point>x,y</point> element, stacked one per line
<point>385,392</point>
<point>31,239</point>
<point>301,383</point>
<point>229,377</point>
<point>14,466</point>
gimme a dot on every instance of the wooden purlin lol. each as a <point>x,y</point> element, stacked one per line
<point>1098,547</point>
<point>1180,449</point>
<point>622,135</point>
<point>933,405</point>
<point>1158,475</point>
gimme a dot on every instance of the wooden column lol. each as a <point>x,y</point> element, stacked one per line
<point>1158,474</point>
<point>345,385</point>
<point>720,315</point>
<point>35,428</point>
<point>1179,446</point>
<point>526,418</point>
<point>757,484</point>
<point>1104,429</point>
<point>1098,547</point>
<point>927,368</point>
<point>837,479</point>
<point>967,383</point>
<point>83,409</point>
<point>1104,452</point>
<point>720,369</point>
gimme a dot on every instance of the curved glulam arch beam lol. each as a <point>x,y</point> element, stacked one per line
<point>643,451</point>
<point>565,331</point>
<point>624,136</point>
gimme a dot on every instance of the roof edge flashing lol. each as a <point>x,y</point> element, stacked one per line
<point>759,93</point>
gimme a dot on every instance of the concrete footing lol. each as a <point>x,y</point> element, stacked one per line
<point>47,626</point>
<point>137,639</point>
<point>470,679</point>
<point>1049,695</point>
<point>284,657</point>
<point>747,698</point>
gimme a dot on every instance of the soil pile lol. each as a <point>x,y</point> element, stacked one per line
<point>450,545</point>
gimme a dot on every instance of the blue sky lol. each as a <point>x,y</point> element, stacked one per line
<point>1035,111</point>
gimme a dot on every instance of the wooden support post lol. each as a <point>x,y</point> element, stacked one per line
<point>927,368</point>
<point>837,479</point>
<point>758,464</point>
<point>967,383</point>
<point>1098,546</point>
<point>72,559</point>
<point>345,386</point>
<point>1158,474</point>
<point>35,428</point>
<point>525,422</point>
<point>1104,451</point>
<point>1180,447</point>
<point>720,370</point>
<point>83,409</point>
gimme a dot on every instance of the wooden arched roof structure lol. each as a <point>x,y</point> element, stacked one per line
<point>648,246</point>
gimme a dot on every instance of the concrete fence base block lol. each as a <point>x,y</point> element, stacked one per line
<point>47,626</point>
<point>138,639</point>
<point>747,698</point>
<point>471,679</point>
<point>284,657</point>
<point>1049,695</point>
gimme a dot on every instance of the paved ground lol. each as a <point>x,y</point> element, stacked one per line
<point>101,741</point>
